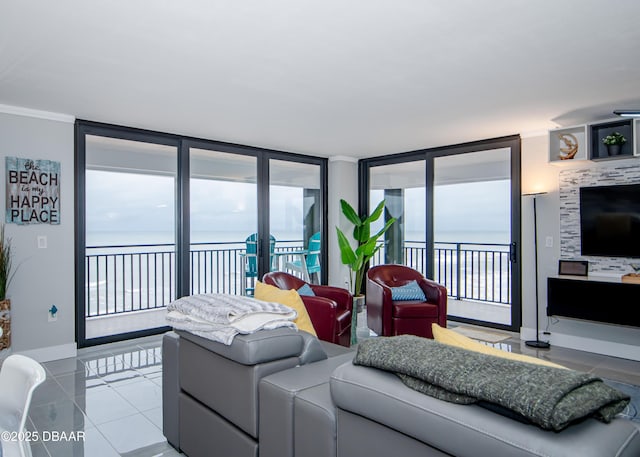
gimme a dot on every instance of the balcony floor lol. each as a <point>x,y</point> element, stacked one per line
<point>141,320</point>
<point>125,322</point>
<point>488,312</point>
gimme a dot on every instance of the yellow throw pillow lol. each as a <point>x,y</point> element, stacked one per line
<point>446,336</point>
<point>290,298</point>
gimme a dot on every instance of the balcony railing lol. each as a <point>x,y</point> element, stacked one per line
<point>128,278</point>
<point>469,271</point>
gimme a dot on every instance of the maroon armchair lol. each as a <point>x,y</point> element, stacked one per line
<point>330,309</point>
<point>389,317</point>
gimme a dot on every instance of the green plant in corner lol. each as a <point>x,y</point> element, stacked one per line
<point>366,244</point>
<point>614,138</point>
<point>6,264</point>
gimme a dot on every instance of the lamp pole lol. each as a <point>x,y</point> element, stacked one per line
<point>536,343</point>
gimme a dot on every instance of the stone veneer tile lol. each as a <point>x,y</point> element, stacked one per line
<point>570,183</point>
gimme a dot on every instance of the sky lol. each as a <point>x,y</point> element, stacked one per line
<point>146,203</point>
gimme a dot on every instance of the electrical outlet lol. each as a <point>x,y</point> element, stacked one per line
<point>549,241</point>
<point>42,242</point>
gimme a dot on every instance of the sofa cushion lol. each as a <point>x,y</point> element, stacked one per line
<point>277,395</point>
<point>452,338</point>
<point>289,298</point>
<point>414,309</point>
<point>470,430</point>
<point>259,347</point>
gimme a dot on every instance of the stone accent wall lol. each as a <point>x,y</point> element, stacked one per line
<point>570,183</point>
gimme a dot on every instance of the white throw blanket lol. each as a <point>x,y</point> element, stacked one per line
<point>220,317</point>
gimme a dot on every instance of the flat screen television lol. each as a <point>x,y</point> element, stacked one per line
<point>610,220</point>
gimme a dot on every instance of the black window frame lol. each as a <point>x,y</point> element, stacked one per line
<point>429,155</point>
<point>183,145</point>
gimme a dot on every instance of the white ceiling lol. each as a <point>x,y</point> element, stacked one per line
<point>356,78</point>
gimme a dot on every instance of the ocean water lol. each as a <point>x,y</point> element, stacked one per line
<point>137,277</point>
<point>119,238</point>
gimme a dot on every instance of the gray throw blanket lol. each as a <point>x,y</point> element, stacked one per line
<point>552,398</point>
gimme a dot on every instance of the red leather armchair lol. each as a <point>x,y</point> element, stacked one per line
<point>330,309</point>
<point>387,317</point>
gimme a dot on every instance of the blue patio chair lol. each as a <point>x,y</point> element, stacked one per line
<point>251,259</point>
<point>312,260</point>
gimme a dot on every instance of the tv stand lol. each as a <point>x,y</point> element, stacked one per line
<point>596,299</point>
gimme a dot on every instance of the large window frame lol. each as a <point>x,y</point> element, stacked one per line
<point>428,156</point>
<point>182,229</point>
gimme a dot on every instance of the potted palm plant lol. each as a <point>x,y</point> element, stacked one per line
<point>366,246</point>
<point>6,275</point>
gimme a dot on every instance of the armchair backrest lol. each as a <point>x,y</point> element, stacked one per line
<point>393,275</point>
<point>283,280</point>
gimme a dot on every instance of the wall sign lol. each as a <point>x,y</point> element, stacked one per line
<point>33,191</point>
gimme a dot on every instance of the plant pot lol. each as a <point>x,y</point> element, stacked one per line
<point>358,306</point>
<point>5,323</point>
<point>614,149</point>
<point>358,303</point>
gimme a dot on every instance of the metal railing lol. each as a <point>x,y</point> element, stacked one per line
<point>469,271</point>
<point>129,278</point>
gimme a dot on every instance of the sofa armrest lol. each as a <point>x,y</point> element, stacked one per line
<point>170,389</point>
<point>378,315</point>
<point>437,294</point>
<point>322,312</point>
<point>342,297</point>
<point>381,397</point>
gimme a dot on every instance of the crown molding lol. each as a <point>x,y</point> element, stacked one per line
<point>534,133</point>
<point>28,112</point>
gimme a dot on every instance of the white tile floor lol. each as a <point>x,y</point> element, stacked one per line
<point>113,394</point>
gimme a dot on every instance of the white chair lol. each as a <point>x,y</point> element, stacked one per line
<point>19,377</point>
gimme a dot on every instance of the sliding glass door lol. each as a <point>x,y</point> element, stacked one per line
<point>402,187</point>
<point>296,219</point>
<point>159,216</point>
<point>129,235</point>
<point>458,211</point>
<point>223,222</point>
<point>472,214</point>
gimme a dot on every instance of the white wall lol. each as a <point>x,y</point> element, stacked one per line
<point>343,183</point>
<point>44,276</point>
<point>539,175</point>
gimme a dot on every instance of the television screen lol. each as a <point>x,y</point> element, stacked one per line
<point>610,220</point>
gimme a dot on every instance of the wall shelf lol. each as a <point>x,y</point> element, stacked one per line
<point>561,139</point>
<point>599,151</point>
<point>588,138</point>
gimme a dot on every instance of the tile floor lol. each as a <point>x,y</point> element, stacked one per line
<point>113,394</point>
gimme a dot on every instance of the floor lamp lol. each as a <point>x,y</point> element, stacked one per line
<point>536,343</point>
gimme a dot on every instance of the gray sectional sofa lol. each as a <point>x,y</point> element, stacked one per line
<point>282,393</point>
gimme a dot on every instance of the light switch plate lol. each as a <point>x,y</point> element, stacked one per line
<point>42,242</point>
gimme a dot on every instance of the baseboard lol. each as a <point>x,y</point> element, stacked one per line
<point>610,348</point>
<point>62,351</point>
